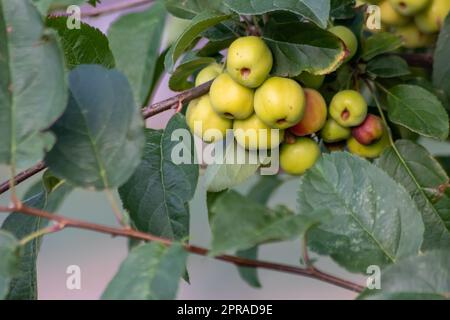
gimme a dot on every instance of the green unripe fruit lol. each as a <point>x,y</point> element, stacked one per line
<point>371,151</point>
<point>332,132</point>
<point>298,157</point>
<point>390,16</point>
<point>413,38</point>
<point>249,61</point>
<point>253,134</point>
<point>409,7</point>
<point>348,108</point>
<point>349,39</point>
<point>230,99</point>
<point>209,73</point>
<point>310,80</point>
<point>432,18</point>
<point>280,102</point>
<point>204,122</point>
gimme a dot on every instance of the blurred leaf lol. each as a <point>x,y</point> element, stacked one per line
<point>100,137</point>
<point>24,285</point>
<point>87,45</point>
<point>343,9</point>
<point>200,23</point>
<point>150,272</point>
<point>380,43</point>
<point>9,260</point>
<point>441,67</point>
<point>188,9</point>
<point>374,221</point>
<point>317,11</point>
<point>388,67</point>
<point>413,167</point>
<point>33,92</point>
<point>415,278</point>
<point>418,110</point>
<point>135,40</point>
<point>179,80</point>
<point>157,194</point>
<point>239,223</point>
<point>43,6</point>
<point>299,46</point>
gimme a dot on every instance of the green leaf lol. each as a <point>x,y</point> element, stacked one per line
<point>228,172</point>
<point>441,67</point>
<point>24,285</point>
<point>413,167</point>
<point>239,223</point>
<point>86,45</point>
<point>299,46</point>
<point>9,260</point>
<point>388,67</point>
<point>343,9</point>
<point>249,275</point>
<point>188,9</point>
<point>418,110</point>
<point>380,43</point>
<point>200,23</point>
<point>100,137</point>
<point>415,278</point>
<point>32,84</point>
<point>135,40</point>
<point>179,80</point>
<point>445,162</point>
<point>374,221</point>
<point>157,194</point>
<point>315,10</point>
<point>150,272</point>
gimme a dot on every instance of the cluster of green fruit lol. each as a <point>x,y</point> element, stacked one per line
<point>244,98</point>
<point>416,21</point>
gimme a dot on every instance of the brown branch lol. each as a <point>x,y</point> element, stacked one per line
<point>129,233</point>
<point>150,111</point>
<point>97,11</point>
<point>418,60</point>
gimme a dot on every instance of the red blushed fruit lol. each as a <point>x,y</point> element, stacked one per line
<point>315,114</point>
<point>369,131</point>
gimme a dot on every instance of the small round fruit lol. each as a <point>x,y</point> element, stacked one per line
<point>409,7</point>
<point>332,132</point>
<point>230,99</point>
<point>349,39</point>
<point>249,61</point>
<point>315,114</point>
<point>253,134</point>
<point>204,122</point>
<point>371,151</point>
<point>413,38</point>
<point>390,16</point>
<point>310,80</point>
<point>280,102</point>
<point>299,156</point>
<point>370,131</point>
<point>209,73</point>
<point>348,108</point>
<point>432,18</point>
<point>337,146</point>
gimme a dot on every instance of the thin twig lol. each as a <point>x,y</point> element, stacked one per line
<point>150,111</point>
<point>129,233</point>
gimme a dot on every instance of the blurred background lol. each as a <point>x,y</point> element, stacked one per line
<point>99,256</point>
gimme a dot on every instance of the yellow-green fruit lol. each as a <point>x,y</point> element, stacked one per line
<point>209,73</point>
<point>249,61</point>
<point>390,16</point>
<point>204,122</point>
<point>413,38</point>
<point>253,134</point>
<point>230,99</point>
<point>315,114</point>
<point>333,132</point>
<point>371,151</point>
<point>299,156</point>
<point>409,7</point>
<point>432,18</point>
<point>280,102</point>
<point>310,80</point>
<point>349,39</point>
<point>348,108</point>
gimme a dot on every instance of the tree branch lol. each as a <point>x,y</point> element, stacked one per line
<point>418,60</point>
<point>147,112</point>
<point>129,233</point>
<point>97,11</point>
